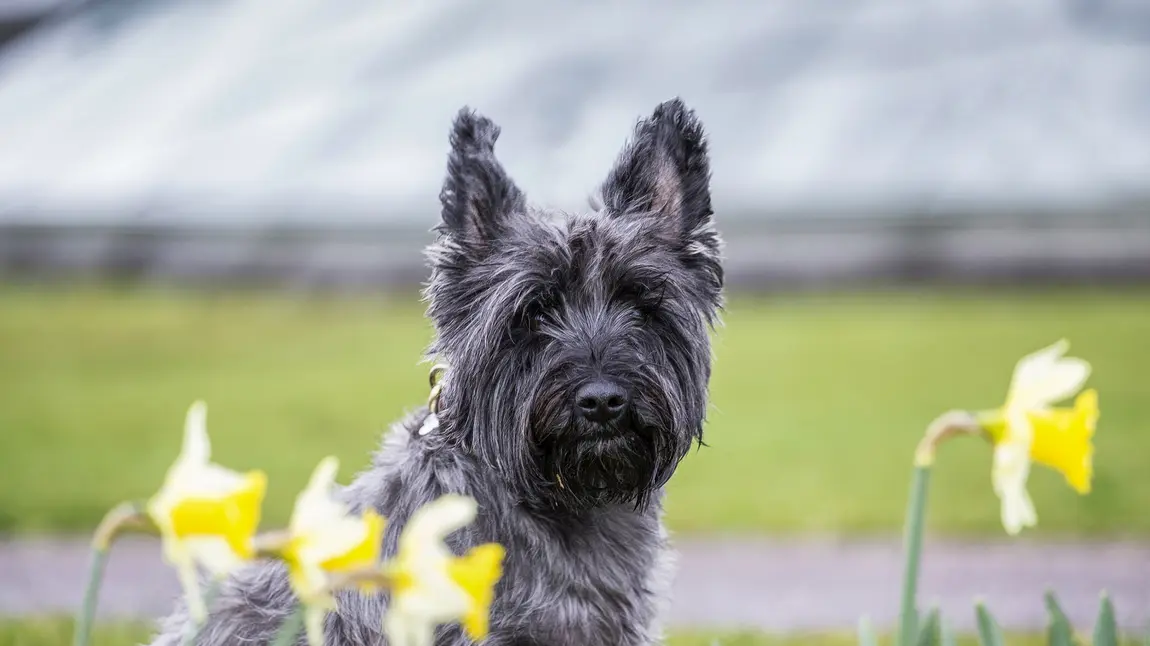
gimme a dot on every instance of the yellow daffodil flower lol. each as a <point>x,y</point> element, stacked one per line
<point>324,538</point>
<point>1062,438</point>
<point>206,514</point>
<point>1027,427</point>
<point>430,585</point>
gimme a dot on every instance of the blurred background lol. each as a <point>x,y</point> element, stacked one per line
<point>228,200</point>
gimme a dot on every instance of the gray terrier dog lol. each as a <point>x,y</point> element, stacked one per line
<point>579,359</point>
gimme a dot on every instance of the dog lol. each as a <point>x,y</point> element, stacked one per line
<point>579,360</point>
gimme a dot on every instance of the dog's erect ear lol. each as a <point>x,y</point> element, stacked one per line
<point>665,172</point>
<point>477,193</point>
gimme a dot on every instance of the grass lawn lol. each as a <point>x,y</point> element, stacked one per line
<point>58,632</point>
<point>818,401</point>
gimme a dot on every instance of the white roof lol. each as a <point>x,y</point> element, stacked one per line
<point>307,111</point>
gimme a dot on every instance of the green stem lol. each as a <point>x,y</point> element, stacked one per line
<point>912,545</point>
<point>123,517</point>
<point>290,629</point>
<point>91,595</point>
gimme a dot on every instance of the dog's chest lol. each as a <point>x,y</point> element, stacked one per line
<point>593,583</point>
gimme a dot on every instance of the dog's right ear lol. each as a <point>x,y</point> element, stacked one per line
<point>477,194</point>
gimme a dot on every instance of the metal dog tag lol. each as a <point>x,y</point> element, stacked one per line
<point>430,423</point>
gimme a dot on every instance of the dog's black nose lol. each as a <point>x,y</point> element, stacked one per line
<point>601,401</point>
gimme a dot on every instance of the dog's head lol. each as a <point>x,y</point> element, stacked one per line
<point>578,345</point>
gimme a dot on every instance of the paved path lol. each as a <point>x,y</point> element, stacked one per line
<point>770,585</point>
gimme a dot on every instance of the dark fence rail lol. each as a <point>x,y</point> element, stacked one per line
<point>962,248</point>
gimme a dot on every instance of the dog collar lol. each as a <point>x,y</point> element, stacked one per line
<point>435,380</point>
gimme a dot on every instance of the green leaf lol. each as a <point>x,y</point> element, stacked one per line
<point>867,636</point>
<point>1105,627</point>
<point>947,637</point>
<point>928,633</point>
<point>290,629</point>
<point>1059,632</point>
<point>989,634</point>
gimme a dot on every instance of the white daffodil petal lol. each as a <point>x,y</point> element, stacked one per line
<point>309,581</point>
<point>314,507</point>
<point>206,481</point>
<point>435,600</point>
<point>404,631</point>
<point>197,449</point>
<point>1026,510</point>
<point>1060,381</point>
<point>214,553</point>
<point>1046,377</point>
<point>432,523</point>
<point>1011,468</point>
<point>1037,362</point>
<point>1017,511</point>
<point>1010,473</point>
<point>323,478</point>
<point>341,535</point>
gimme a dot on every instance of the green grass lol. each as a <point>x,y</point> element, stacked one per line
<point>817,401</point>
<point>58,632</point>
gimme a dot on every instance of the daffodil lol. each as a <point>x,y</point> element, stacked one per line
<point>430,585</point>
<point>1062,438</point>
<point>206,514</point>
<point>1027,427</point>
<point>324,538</point>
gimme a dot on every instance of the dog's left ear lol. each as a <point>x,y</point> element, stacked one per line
<point>665,172</point>
<point>477,194</point>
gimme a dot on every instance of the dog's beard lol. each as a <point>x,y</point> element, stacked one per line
<point>600,469</point>
<point>588,465</point>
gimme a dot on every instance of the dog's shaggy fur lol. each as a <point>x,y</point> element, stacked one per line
<point>579,361</point>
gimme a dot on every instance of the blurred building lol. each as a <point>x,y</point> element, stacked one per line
<point>305,140</point>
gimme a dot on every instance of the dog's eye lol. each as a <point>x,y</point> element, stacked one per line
<point>529,318</point>
<point>633,293</point>
<point>645,298</point>
<point>525,321</point>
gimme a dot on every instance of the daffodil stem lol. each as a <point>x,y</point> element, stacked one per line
<point>122,517</point>
<point>912,545</point>
<point>289,631</point>
<point>91,595</point>
<point>193,631</point>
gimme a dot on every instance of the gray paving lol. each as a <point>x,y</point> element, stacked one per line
<point>774,585</point>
